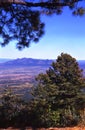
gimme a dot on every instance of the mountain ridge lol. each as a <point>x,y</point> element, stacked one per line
<point>32,62</point>
<point>27,62</point>
<point>19,74</point>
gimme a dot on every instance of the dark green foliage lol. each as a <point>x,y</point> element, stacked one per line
<point>20,19</point>
<point>20,24</point>
<point>57,100</point>
<point>61,89</point>
<point>13,110</point>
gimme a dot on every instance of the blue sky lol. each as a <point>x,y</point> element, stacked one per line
<point>63,33</point>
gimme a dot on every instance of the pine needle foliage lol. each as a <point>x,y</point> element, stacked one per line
<point>61,90</point>
<point>20,20</point>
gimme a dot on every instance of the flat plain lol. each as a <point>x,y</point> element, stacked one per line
<point>19,74</point>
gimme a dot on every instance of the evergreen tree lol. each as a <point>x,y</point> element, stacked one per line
<point>13,110</point>
<point>61,90</point>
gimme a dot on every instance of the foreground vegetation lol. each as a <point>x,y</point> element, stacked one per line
<point>57,100</point>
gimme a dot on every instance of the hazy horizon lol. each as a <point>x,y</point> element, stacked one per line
<point>33,58</point>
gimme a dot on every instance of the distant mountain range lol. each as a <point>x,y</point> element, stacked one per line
<point>82,64</point>
<point>26,62</point>
<point>31,62</point>
<point>19,74</point>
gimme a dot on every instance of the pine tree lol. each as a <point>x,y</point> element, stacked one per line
<point>61,88</point>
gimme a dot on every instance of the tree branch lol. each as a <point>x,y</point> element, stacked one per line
<point>39,4</point>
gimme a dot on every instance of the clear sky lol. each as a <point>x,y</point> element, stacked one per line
<point>63,33</point>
